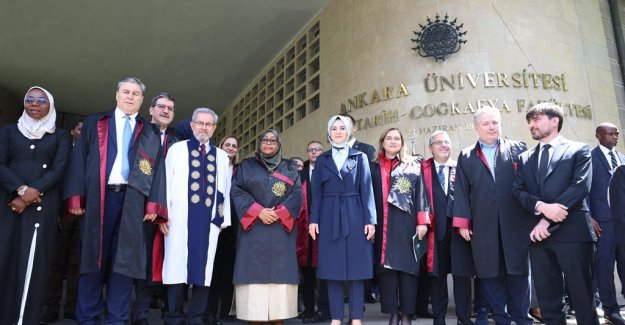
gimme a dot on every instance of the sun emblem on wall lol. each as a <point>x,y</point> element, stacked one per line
<point>439,38</point>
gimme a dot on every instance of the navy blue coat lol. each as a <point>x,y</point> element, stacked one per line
<point>342,204</point>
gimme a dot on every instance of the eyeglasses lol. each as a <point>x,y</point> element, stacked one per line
<point>204,125</point>
<point>440,142</point>
<point>269,141</point>
<point>313,150</point>
<point>40,100</point>
<point>163,107</point>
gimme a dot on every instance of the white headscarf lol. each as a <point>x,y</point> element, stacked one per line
<point>348,127</point>
<point>36,129</point>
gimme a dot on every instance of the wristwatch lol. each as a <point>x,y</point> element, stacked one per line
<point>22,190</point>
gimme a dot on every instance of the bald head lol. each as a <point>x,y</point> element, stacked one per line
<point>607,134</point>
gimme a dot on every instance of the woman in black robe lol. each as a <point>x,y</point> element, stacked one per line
<point>33,156</point>
<point>267,197</point>
<point>402,211</point>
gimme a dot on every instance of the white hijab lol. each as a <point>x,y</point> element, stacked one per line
<point>348,127</point>
<point>36,129</point>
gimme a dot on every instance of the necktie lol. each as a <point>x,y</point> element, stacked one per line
<point>441,176</point>
<point>613,160</point>
<point>162,137</point>
<point>126,136</point>
<point>544,163</point>
<point>203,150</point>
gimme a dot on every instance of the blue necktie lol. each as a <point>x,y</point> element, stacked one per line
<point>126,136</point>
<point>441,176</point>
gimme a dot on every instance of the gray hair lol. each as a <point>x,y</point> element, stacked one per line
<point>435,134</point>
<point>132,80</point>
<point>204,110</point>
<point>485,109</point>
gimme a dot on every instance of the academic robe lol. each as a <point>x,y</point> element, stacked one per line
<point>266,253</point>
<point>38,163</point>
<point>401,204</point>
<point>616,194</point>
<point>306,247</point>
<point>185,240</point>
<point>154,240</point>
<point>85,186</point>
<point>342,205</point>
<point>460,261</point>
<point>486,205</point>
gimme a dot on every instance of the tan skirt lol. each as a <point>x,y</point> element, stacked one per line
<point>265,302</point>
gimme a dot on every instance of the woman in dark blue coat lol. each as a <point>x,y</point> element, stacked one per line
<point>343,216</point>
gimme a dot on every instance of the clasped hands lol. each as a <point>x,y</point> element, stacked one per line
<point>555,212</point>
<point>20,203</point>
<point>313,231</point>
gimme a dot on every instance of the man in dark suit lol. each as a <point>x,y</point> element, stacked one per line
<point>366,148</point>
<point>563,240</point>
<point>450,252</point>
<point>486,214</point>
<point>605,159</point>
<point>114,181</point>
<point>162,110</point>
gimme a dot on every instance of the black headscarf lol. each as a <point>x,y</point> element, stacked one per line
<point>270,161</point>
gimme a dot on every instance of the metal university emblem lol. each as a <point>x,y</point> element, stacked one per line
<point>145,167</point>
<point>279,189</point>
<point>439,38</point>
<point>402,184</point>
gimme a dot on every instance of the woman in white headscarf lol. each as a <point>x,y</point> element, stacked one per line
<point>343,216</point>
<point>33,156</point>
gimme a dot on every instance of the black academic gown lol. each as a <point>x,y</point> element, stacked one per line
<point>266,253</point>
<point>39,164</point>
<point>406,202</point>
<point>486,205</point>
<point>86,182</point>
<point>154,241</point>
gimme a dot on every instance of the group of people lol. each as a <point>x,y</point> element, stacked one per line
<point>163,209</point>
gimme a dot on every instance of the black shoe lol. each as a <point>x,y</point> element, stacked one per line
<point>614,318</point>
<point>209,319</point>
<point>141,321</point>
<point>425,314</point>
<point>228,318</point>
<point>369,299</point>
<point>49,317</point>
<point>70,315</point>
<point>317,318</point>
<point>465,321</point>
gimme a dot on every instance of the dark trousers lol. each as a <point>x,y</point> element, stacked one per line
<point>323,304</point>
<point>605,259</point>
<point>440,299</point>
<point>356,298</point>
<point>65,264</point>
<point>423,294</point>
<point>398,292</point>
<point>309,285</point>
<point>118,286</point>
<point>509,297</point>
<point>222,289</point>
<point>144,291</point>
<point>197,305</point>
<point>573,260</point>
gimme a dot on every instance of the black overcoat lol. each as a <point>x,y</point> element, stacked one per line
<point>266,253</point>
<point>39,164</point>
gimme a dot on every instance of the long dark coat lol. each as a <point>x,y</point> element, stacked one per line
<point>405,206</point>
<point>459,259</point>
<point>85,187</point>
<point>342,205</point>
<point>486,205</point>
<point>266,253</point>
<point>39,164</point>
